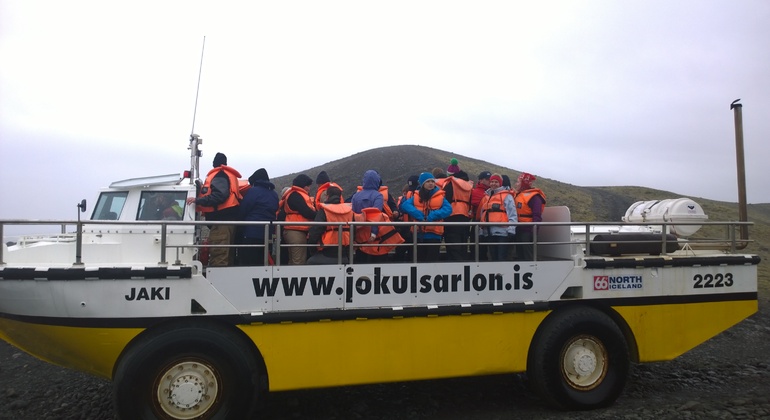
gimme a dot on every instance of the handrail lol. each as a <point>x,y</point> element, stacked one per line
<point>731,243</point>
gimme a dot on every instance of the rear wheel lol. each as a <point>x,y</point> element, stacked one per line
<point>578,359</point>
<point>182,372</point>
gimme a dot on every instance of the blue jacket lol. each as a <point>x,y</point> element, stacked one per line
<point>441,213</point>
<point>369,196</point>
<point>260,203</point>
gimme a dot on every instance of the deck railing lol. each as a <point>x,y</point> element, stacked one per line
<point>570,240</point>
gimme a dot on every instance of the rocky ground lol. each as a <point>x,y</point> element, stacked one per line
<point>726,378</point>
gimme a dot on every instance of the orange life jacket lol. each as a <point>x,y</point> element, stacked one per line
<point>435,203</point>
<point>490,213</point>
<point>404,216</point>
<point>461,194</point>
<point>385,207</point>
<point>521,200</point>
<point>386,235</point>
<point>323,187</point>
<point>235,196</point>
<point>293,215</point>
<point>337,213</point>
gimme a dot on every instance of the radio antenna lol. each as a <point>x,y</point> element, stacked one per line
<point>195,140</point>
<point>198,88</point>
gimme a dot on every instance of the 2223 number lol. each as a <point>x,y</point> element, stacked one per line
<point>712,280</point>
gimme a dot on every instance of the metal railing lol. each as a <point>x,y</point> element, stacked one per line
<point>475,245</point>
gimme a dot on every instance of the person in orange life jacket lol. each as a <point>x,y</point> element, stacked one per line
<point>323,182</point>
<point>218,201</point>
<point>530,203</point>
<point>511,249</point>
<point>428,204</point>
<point>368,196</point>
<point>498,206</point>
<point>404,253</point>
<point>328,236</point>
<point>459,198</point>
<point>260,203</point>
<point>478,192</point>
<point>298,207</point>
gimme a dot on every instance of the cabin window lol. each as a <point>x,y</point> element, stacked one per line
<point>161,205</point>
<point>110,205</point>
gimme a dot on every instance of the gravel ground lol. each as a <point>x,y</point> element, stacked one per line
<point>727,377</point>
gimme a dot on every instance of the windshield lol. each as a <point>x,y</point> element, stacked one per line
<point>110,205</point>
<point>161,205</point>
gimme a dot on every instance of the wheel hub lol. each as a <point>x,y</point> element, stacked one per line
<point>584,363</point>
<point>187,389</point>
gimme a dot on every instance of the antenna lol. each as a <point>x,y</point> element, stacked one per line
<point>198,88</point>
<point>195,140</point>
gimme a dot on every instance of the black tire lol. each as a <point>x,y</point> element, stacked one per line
<point>192,370</point>
<point>578,359</point>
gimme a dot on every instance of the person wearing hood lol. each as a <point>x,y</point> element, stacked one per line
<point>498,206</point>
<point>218,201</point>
<point>297,206</point>
<point>530,202</point>
<point>328,237</point>
<point>368,196</point>
<point>259,204</point>
<point>428,205</point>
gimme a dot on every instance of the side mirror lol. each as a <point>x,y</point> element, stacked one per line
<point>82,206</point>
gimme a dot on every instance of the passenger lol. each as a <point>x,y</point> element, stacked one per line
<point>376,249</point>
<point>328,236</point>
<point>530,203</point>
<point>323,182</point>
<point>390,206</point>
<point>368,196</point>
<point>478,192</point>
<point>508,186</point>
<point>404,253</point>
<point>260,203</point>
<point>458,193</point>
<point>438,173</point>
<point>298,207</point>
<point>498,206</point>
<point>453,167</point>
<point>218,201</point>
<point>507,182</point>
<point>428,204</point>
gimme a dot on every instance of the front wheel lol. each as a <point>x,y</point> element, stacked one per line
<point>578,359</point>
<point>181,372</point>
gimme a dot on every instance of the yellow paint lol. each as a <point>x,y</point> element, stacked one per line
<point>332,353</point>
<point>90,350</point>
<point>308,355</point>
<point>664,332</point>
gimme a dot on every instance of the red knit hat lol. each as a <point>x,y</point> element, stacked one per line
<point>496,177</point>
<point>526,179</point>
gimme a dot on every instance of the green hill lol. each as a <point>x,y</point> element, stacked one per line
<point>396,163</point>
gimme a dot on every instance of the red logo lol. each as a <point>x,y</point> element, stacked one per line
<point>601,282</point>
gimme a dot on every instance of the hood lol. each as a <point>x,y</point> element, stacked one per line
<point>372,180</point>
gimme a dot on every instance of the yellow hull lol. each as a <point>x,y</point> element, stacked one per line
<point>333,353</point>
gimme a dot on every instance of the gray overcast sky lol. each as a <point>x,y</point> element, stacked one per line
<point>590,93</point>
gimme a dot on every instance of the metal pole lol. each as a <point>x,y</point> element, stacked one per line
<point>743,214</point>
